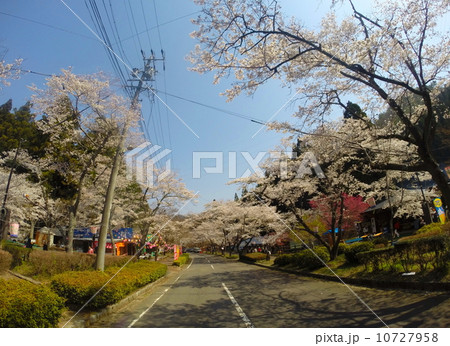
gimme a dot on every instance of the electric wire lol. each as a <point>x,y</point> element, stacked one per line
<point>47,25</point>
<point>164,75</point>
<point>119,41</point>
<point>146,26</point>
<point>162,24</point>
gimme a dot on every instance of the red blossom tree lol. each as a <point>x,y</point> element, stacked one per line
<point>336,215</point>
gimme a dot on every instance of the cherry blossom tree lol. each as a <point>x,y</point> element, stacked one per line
<point>395,57</point>
<point>234,224</point>
<point>84,119</point>
<point>148,207</point>
<point>28,201</point>
<point>9,71</point>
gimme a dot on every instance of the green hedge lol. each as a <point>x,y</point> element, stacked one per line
<point>424,251</point>
<point>49,263</point>
<point>378,259</point>
<point>309,260</point>
<point>432,228</point>
<point>183,259</point>
<point>253,257</point>
<point>5,261</point>
<point>351,251</point>
<point>305,258</point>
<point>284,260</point>
<point>24,305</point>
<point>55,262</point>
<point>18,252</point>
<point>419,253</point>
<point>79,286</point>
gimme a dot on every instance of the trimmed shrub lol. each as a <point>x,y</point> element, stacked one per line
<point>431,229</point>
<point>118,261</point>
<point>253,257</point>
<point>351,251</point>
<point>377,259</point>
<point>285,259</point>
<point>183,259</point>
<point>379,242</point>
<point>80,286</point>
<point>5,261</point>
<point>19,253</point>
<point>305,258</point>
<point>50,263</point>
<point>55,262</point>
<point>309,260</point>
<point>24,305</point>
<point>341,248</point>
<point>432,250</point>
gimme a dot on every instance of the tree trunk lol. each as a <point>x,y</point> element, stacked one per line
<point>441,181</point>
<point>32,224</point>
<point>72,224</point>
<point>335,248</point>
<point>4,222</point>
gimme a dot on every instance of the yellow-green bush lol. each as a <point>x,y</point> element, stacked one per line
<point>308,259</point>
<point>183,259</point>
<point>305,258</point>
<point>50,263</point>
<point>351,251</point>
<point>5,260</point>
<point>18,251</point>
<point>422,251</point>
<point>24,305</point>
<point>80,286</point>
<point>431,229</point>
<point>253,257</point>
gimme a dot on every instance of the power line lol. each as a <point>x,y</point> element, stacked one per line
<point>162,24</point>
<point>47,25</point>
<point>232,113</point>
<point>157,23</point>
<point>146,27</point>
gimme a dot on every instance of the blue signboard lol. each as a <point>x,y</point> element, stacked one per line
<point>86,233</point>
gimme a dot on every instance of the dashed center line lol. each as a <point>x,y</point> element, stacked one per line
<point>241,313</point>
<point>212,266</point>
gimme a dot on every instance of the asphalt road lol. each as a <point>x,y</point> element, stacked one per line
<point>214,292</point>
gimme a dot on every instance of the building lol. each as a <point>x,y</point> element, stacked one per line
<point>124,240</point>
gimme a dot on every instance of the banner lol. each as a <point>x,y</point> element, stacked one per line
<point>176,252</point>
<point>439,210</point>
<point>14,230</point>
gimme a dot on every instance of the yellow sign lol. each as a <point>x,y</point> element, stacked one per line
<point>437,202</point>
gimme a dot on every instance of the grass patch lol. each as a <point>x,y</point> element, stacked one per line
<point>341,267</point>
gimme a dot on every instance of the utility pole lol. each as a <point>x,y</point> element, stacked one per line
<point>146,75</point>
<point>5,212</point>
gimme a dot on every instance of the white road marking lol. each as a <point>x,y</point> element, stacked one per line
<point>142,314</point>
<point>154,302</point>
<point>241,313</point>
<point>212,266</point>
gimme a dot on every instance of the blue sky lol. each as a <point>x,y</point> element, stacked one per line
<point>49,37</point>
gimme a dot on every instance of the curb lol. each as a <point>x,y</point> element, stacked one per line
<point>421,286</point>
<point>23,277</point>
